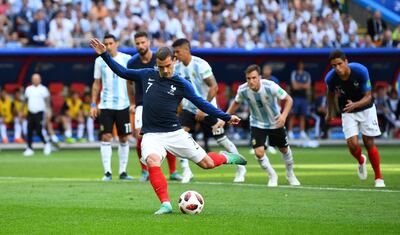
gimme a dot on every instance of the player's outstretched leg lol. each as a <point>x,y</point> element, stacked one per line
<point>288,159</point>
<point>374,159</point>
<point>355,150</point>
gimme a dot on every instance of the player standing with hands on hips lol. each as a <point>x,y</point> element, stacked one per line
<point>350,82</point>
<point>162,131</point>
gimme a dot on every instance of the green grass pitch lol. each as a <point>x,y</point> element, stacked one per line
<point>62,194</point>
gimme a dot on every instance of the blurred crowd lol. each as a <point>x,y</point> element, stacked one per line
<point>206,23</point>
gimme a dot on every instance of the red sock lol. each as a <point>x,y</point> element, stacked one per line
<point>374,158</point>
<point>218,159</point>
<point>159,183</point>
<point>171,162</point>
<point>357,155</point>
<point>139,152</point>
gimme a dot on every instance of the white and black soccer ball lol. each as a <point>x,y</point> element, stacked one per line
<point>191,202</point>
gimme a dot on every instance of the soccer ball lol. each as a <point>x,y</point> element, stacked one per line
<point>191,202</point>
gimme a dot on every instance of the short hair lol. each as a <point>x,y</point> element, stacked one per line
<point>252,68</point>
<point>108,35</point>
<point>337,54</point>
<point>141,34</point>
<point>180,42</point>
<point>164,52</point>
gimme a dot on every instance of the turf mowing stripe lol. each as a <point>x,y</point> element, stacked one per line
<point>5,178</point>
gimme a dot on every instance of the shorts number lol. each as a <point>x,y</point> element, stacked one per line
<point>128,128</point>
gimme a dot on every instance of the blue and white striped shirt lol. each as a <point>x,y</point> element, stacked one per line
<point>114,94</point>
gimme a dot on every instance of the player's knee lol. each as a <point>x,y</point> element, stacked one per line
<point>153,160</point>
<point>259,152</point>
<point>106,137</point>
<point>123,138</point>
<point>284,150</point>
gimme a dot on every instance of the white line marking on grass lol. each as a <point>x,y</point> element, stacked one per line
<point>5,178</point>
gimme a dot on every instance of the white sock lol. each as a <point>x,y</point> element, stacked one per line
<point>227,144</point>
<point>123,152</point>
<point>81,129</point>
<point>68,132</point>
<point>17,128</point>
<point>45,134</point>
<point>106,152</point>
<point>266,165</point>
<point>25,127</point>
<point>185,166</point>
<point>90,129</point>
<point>288,159</point>
<point>3,131</point>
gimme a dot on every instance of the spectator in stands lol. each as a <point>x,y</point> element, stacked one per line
<point>376,27</point>
<point>20,112</point>
<point>396,36</point>
<point>60,37</point>
<point>72,111</point>
<point>318,112</point>
<point>99,10</point>
<point>387,40</point>
<point>5,114</point>
<point>368,43</point>
<point>39,30</point>
<point>385,112</point>
<point>394,102</point>
<point>300,86</point>
<point>4,7</point>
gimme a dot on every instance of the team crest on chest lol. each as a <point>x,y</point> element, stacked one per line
<point>172,90</point>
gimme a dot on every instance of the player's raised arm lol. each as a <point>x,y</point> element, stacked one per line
<point>121,71</point>
<point>206,107</point>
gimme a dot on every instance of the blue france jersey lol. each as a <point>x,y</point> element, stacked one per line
<point>162,96</point>
<point>353,88</point>
<point>114,94</point>
<point>136,63</point>
<point>264,107</point>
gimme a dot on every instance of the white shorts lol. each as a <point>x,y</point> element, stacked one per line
<point>138,117</point>
<point>365,121</point>
<point>179,143</point>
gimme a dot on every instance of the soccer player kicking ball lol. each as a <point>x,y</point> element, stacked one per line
<point>351,84</point>
<point>162,132</point>
<point>266,120</point>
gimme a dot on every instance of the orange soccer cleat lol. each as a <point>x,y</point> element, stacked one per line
<point>19,140</point>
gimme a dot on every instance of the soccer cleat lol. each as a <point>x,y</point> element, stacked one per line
<point>362,169</point>
<point>273,180</point>
<point>176,176</point>
<point>234,158</point>
<point>47,149</point>
<point>28,152</point>
<point>379,183</point>
<point>291,178</point>
<point>125,176</point>
<point>70,140</point>
<point>5,140</point>
<point>19,140</point>
<point>144,177</point>
<point>165,208</point>
<point>187,177</point>
<point>107,177</point>
<point>240,174</point>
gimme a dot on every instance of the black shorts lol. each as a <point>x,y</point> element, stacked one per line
<point>188,119</point>
<point>276,137</point>
<point>121,118</point>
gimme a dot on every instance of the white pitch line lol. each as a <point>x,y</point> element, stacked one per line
<point>213,183</point>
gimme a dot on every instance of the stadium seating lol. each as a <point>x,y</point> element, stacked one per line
<point>56,88</point>
<point>78,87</point>
<point>11,87</point>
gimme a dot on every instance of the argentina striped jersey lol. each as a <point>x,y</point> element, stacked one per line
<point>264,107</point>
<point>114,94</point>
<point>195,72</point>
